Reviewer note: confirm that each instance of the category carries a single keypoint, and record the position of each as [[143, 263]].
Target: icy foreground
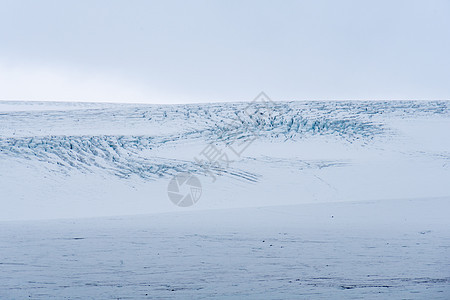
[[332, 199], [366, 250]]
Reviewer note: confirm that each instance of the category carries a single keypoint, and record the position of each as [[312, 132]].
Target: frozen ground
[[332, 200], [396, 249]]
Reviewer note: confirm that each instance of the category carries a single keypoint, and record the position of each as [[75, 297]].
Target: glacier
[[345, 199]]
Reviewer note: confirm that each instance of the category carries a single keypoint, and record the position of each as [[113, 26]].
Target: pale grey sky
[[208, 51]]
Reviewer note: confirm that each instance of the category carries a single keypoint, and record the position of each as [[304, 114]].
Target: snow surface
[[352, 196], [353, 250]]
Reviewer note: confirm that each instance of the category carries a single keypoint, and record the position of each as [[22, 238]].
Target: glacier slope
[[86, 159]]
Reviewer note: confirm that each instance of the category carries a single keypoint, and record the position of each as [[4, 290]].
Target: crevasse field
[[329, 200]]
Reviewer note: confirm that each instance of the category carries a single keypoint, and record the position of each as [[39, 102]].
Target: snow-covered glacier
[[345, 199], [58, 159]]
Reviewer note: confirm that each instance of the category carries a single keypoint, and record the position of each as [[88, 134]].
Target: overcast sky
[[209, 51]]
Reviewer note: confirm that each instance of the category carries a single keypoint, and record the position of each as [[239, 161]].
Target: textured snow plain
[[332, 200]]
